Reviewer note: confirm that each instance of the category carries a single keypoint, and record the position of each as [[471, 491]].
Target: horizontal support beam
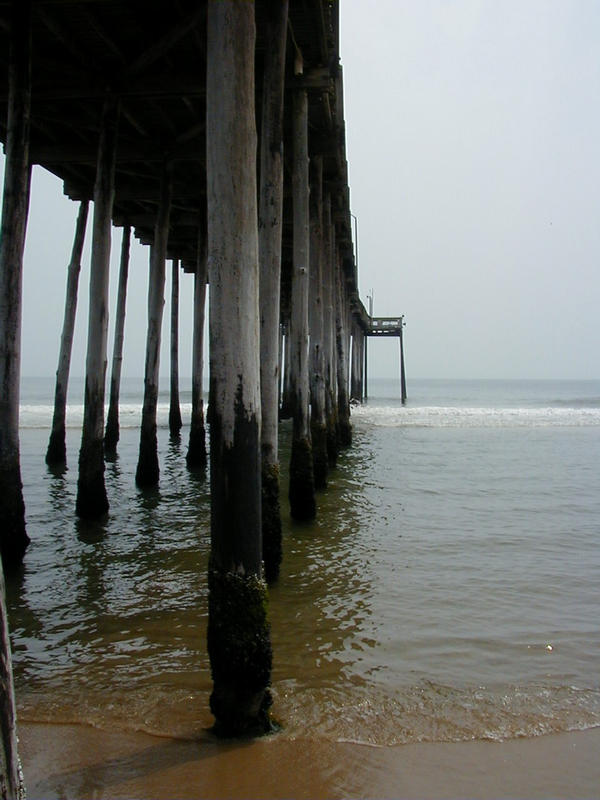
[[127, 152]]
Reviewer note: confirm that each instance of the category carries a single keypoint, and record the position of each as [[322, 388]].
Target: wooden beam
[[167, 42]]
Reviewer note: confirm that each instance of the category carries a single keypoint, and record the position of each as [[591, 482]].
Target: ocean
[[447, 591]]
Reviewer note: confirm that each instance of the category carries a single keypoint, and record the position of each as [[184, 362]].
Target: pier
[[214, 133]]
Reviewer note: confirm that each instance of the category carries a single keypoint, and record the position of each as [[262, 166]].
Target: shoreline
[[76, 761]]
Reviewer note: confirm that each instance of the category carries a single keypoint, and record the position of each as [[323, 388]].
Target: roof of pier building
[[152, 56]]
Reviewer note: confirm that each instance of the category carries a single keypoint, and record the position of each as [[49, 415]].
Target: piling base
[[111, 434], [175, 423], [332, 441], [147, 473], [345, 431], [271, 521], [196, 454], [240, 653], [302, 483], [92, 501], [320, 458], [13, 536], [57, 449]]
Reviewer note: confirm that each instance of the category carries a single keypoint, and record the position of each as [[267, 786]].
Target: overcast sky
[[472, 140], [473, 137]]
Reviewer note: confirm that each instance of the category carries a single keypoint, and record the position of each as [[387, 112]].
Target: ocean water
[[447, 591]]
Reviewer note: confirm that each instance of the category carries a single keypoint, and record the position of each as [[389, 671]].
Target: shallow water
[[447, 590]]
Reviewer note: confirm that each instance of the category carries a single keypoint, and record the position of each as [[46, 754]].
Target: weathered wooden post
[[147, 472], [238, 630], [196, 454], [366, 374], [318, 424], [111, 435], [270, 212], [355, 374], [57, 448], [92, 501], [17, 173], [361, 363], [402, 366], [343, 405], [302, 484], [285, 411], [175, 423], [329, 333], [11, 784]]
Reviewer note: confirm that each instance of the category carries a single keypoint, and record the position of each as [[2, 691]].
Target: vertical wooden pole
[[302, 485], [57, 450], [147, 472], [361, 358], [196, 454], [17, 174], [366, 367], [285, 411], [280, 362], [270, 212], [174, 409], [329, 333], [11, 785], [92, 501], [111, 435], [355, 380], [402, 368], [343, 405], [238, 631], [318, 425]]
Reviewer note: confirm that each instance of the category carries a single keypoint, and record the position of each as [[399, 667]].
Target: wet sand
[[81, 762]]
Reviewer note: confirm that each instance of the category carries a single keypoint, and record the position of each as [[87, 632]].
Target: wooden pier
[[149, 110]]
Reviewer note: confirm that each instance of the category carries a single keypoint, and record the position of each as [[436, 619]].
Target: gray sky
[[472, 140], [473, 131]]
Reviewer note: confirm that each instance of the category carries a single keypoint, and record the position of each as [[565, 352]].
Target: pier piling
[[175, 422], [17, 176], [270, 212], [111, 435], [92, 501], [57, 448], [318, 423], [147, 472], [238, 630], [196, 454], [302, 485]]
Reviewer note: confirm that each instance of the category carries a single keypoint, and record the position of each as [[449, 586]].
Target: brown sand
[[81, 762]]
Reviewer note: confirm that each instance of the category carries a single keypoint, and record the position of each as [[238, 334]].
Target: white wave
[[457, 417], [130, 415]]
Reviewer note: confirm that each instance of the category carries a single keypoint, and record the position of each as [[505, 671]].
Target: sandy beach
[[81, 762]]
